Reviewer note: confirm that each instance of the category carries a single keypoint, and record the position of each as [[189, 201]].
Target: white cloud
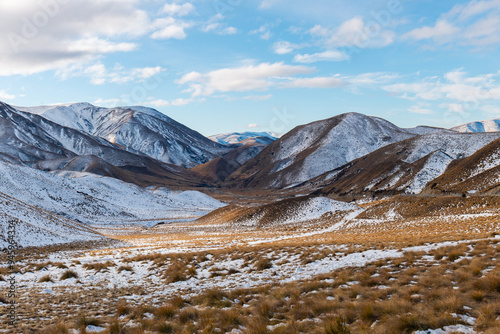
[[418, 109], [331, 55], [373, 78], [66, 34], [211, 27], [229, 31], [258, 97], [284, 47], [99, 74], [214, 24], [476, 23], [36, 38], [441, 32], [355, 33], [252, 125], [264, 32], [455, 108], [454, 86], [108, 103], [159, 103], [6, 96], [490, 109], [261, 77], [182, 102], [178, 10], [170, 28], [320, 82]]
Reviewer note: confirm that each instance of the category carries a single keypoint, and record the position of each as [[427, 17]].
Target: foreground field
[[392, 266]]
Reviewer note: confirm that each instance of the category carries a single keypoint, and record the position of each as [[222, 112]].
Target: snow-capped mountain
[[30, 139], [238, 137], [403, 167], [492, 125], [139, 130], [313, 149]]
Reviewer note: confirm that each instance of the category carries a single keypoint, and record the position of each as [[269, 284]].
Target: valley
[[129, 222]]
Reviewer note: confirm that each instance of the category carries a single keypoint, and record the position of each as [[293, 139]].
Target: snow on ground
[[290, 269], [315, 208], [98, 200], [303, 211], [33, 227]]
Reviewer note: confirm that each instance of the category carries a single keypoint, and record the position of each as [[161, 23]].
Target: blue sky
[[259, 65]]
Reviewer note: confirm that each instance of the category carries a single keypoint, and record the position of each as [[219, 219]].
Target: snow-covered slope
[[138, 130], [35, 227], [238, 137], [313, 149], [299, 210], [492, 125], [406, 166], [94, 199], [479, 173]]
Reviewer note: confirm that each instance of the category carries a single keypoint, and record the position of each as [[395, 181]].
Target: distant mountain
[[403, 167], [238, 137], [313, 149], [492, 125], [427, 130], [138, 130], [219, 169]]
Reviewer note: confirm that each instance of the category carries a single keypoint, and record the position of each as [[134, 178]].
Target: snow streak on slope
[[94, 200], [292, 211], [139, 130], [492, 125], [35, 227]]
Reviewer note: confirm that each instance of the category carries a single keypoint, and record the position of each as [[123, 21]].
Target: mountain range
[[90, 165]]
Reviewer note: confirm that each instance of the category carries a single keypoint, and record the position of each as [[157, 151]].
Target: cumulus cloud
[[476, 23], [37, 36], [254, 77]]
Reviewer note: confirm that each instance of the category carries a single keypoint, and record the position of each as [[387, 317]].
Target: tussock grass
[[68, 274]]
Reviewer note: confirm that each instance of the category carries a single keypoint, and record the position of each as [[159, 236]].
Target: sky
[[221, 66]]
